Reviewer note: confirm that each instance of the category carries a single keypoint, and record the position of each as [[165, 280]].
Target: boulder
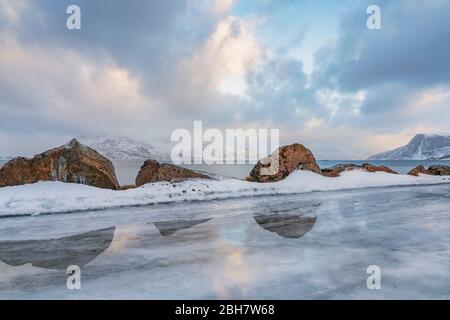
[[436, 170], [152, 171], [290, 158], [336, 170], [418, 170], [74, 163], [127, 187], [439, 170], [372, 168]]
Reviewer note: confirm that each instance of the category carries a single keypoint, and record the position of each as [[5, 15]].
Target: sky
[[311, 69]]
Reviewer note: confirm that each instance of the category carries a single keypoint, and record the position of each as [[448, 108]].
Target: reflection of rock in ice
[[286, 225], [60, 253], [167, 228]]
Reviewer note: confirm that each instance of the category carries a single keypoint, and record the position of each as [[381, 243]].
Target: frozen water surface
[[311, 246]]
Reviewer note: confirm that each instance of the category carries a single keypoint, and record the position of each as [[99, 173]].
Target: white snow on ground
[[58, 197]]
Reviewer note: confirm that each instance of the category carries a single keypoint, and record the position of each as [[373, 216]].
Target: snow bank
[[57, 197]]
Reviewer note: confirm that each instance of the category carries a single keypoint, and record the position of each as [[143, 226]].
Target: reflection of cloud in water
[[234, 267], [60, 253], [167, 228], [286, 225], [233, 271], [124, 236]]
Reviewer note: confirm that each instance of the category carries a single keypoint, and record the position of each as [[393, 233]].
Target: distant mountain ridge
[[421, 147], [126, 149]]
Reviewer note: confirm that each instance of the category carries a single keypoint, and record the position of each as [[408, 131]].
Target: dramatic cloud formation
[[144, 68], [395, 67]]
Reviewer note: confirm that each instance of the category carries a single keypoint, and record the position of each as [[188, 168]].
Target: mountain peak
[[73, 143], [421, 147], [124, 148]]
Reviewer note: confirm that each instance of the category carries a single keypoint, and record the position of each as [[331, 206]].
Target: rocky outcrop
[[418, 170], [73, 163], [439, 170], [436, 170], [152, 171], [127, 187], [338, 169], [290, 158], [372, 168]]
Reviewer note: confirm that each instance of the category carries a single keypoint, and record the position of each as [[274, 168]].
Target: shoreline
[[60, 198]]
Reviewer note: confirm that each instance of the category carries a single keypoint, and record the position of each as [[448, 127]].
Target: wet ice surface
[[314, 246]]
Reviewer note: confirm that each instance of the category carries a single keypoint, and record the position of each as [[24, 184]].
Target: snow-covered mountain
[[421, 147], [125, 149]]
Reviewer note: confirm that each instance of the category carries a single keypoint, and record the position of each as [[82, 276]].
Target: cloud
[[224, 58], [129, 68], [63, 91], [278, 90], [223, 6], [393, 66], [144, 36], [144, 68]]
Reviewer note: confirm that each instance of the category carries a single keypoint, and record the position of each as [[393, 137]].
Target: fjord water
[[127, 170], [314, 246]]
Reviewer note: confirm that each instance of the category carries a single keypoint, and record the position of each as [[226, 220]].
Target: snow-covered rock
[[290, 158], [72, 163], [124, 148], [421, 147]]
